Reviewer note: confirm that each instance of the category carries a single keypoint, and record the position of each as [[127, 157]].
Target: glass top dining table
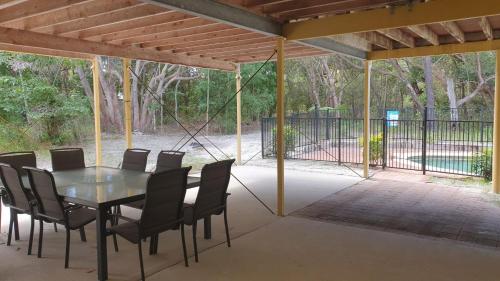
[[101, 188], [94, 186]]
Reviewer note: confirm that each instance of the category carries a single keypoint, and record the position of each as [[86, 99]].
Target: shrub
[[376, 147], [482, 162]]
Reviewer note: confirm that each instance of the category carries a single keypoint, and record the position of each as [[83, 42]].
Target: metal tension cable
[[192, 136]]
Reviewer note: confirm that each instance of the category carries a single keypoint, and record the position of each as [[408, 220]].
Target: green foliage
[[376, 146], [290, 135], [482, 164]]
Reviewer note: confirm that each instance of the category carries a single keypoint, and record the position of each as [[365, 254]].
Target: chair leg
[[83, 237], [152, 245], [11, 225], [55, 227], [194, 242], [40, 239], [32, 226], [16, 226], [115, 242], [66, 257], [228, 239], [140, 260], [184, 246]]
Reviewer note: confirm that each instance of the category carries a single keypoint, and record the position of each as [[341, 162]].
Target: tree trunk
[[431, 115], [452, 98]]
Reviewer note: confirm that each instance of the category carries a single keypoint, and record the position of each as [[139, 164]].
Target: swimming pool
[[441, 163]]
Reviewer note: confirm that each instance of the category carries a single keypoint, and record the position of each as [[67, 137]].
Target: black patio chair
[[21, 201], [167, 160], [163, 210], [135, 159], [51, 208], [211, 198], [18, 160], [64, 159]]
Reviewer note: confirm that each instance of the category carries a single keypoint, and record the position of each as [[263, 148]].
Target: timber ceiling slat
[[153, 33], [233, 35], [67, 14], [109, 32], [217, 45], [35, 7], [73, 28], [184, 38]]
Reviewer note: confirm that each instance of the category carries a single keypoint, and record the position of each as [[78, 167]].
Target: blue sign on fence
[[392, 118]]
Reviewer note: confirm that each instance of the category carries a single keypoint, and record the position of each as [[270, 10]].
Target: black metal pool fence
[[423, 144]]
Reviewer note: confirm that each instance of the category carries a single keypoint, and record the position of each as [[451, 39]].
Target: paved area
[[457, 213]]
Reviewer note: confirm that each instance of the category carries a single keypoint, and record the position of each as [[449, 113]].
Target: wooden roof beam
[[454, 30], [353, 41], [219, 12], [399, 36], [426, 33], [390, 18], [68, 14], [32, 39], [34, 8], [7, 3], [377, 39], [487, 29]]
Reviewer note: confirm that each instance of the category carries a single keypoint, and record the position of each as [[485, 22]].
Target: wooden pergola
[[226, 33]]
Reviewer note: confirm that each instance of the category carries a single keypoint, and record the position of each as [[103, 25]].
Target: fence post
[[424, 142], [384, 142], [327, 125], [316, 125], [339, 132], [262, 129]]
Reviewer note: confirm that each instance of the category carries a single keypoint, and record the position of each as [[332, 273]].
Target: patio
[[266, 247]]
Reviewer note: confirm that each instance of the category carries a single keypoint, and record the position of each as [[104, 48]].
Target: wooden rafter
[[7, 3], [31, 39], [218, 45], [487, 29], [377, 39], [35, 7], [68, 14], [426, 33], [108, 32], [73, 28], [454, 30], [200, 39], [353, 41], [44, 52], [399, 36]]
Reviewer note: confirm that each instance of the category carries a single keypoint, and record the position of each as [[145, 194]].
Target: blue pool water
[[445, 163]]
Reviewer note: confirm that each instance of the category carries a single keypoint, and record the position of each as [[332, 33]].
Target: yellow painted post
[[238, 115], [280, 123], [127, 103], [97, 112], [366, 121], [496, 129]]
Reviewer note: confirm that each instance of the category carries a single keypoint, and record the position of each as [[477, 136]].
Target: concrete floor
[[246, 215], [265, 247]]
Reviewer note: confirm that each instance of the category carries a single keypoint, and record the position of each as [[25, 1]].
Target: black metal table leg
[[207, 226], [102, 257]]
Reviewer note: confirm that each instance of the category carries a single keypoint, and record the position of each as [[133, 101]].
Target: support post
[[280, 123], [424, 141], [127, 103], [97, 111], [496, 129], [238, 115], [366, 121]]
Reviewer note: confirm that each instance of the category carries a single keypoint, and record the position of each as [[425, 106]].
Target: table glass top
[[96, 185]]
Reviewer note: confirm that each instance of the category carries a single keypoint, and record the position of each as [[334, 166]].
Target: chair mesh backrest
[[44, 189], [135, 159], [169, 159], [164, 200], [19, 160], [11, 180], [67, 159], [213, 187]]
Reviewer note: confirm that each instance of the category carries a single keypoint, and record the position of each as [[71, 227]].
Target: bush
[[482, 162], [290, 135], [376, 147]]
